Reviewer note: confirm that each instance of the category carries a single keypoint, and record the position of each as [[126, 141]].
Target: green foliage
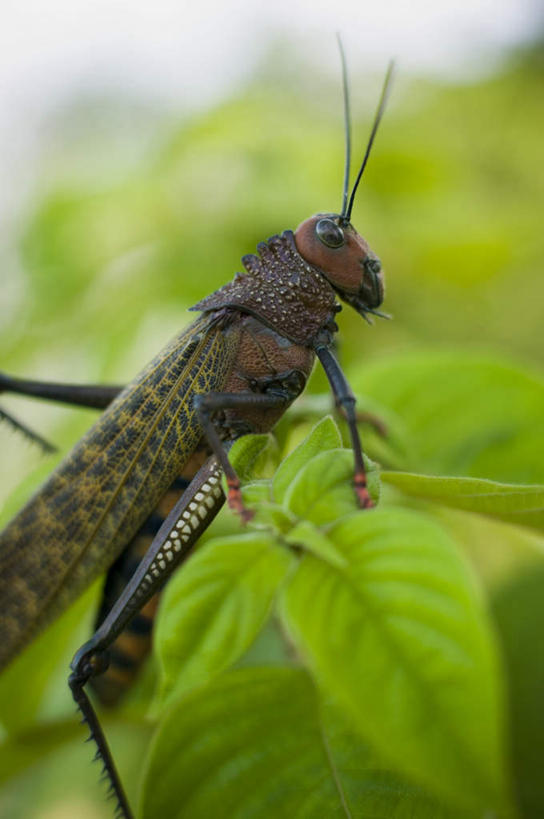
[[519, 611], [304, 768], [215, 609], [461, 413], [385, 616], [509, 502], [416, 668]]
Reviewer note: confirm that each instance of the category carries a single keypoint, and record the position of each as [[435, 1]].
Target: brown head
[[330, 243], [335, 248]]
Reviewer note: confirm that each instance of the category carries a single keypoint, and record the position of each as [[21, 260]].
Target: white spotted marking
[[194, 521]]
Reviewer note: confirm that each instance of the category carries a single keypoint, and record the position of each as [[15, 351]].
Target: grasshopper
[[134, 495]]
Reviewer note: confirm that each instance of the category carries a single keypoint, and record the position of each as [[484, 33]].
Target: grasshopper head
[[333, 245], [329, 242]]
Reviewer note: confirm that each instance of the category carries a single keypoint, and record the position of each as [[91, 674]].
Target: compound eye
[[329, 233]]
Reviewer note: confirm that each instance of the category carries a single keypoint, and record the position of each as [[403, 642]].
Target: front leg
[[346, 400], [210, 403]]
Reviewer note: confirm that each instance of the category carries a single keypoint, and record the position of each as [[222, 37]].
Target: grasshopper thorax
[[335, 248]]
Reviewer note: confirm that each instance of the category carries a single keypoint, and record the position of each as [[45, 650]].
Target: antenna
[[347, 124], [346, 214]]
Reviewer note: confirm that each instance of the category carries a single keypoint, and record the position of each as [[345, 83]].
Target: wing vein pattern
[[94, 502]]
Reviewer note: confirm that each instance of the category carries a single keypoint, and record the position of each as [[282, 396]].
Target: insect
[[134, 495]]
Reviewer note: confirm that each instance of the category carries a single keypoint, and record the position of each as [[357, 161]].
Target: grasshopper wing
[[97, 498]]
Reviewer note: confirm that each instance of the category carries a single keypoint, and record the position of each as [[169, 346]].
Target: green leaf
[[20, 752], [466, 413], [495, 550], [247, 452], [322, 490], [215, 608], [519, 612], [254, 493], [325, 435], [512, 503], [257, 744], [309, 537], [400, 639]]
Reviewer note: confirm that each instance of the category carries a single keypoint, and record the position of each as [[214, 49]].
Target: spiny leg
[[77, 681], [28, 433], [190, 516], [94, 396], [345, 399]]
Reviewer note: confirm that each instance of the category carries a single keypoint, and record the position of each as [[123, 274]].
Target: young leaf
[[257, 744], [322, 490], [246, 452], [325, 435], [512, 503], [215, 607], [401, 641], [304, 534]]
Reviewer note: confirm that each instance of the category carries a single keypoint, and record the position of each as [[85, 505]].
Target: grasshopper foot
[[361, 490], [235, 502]]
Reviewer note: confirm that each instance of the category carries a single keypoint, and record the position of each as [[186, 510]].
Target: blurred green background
[[117, 244]]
